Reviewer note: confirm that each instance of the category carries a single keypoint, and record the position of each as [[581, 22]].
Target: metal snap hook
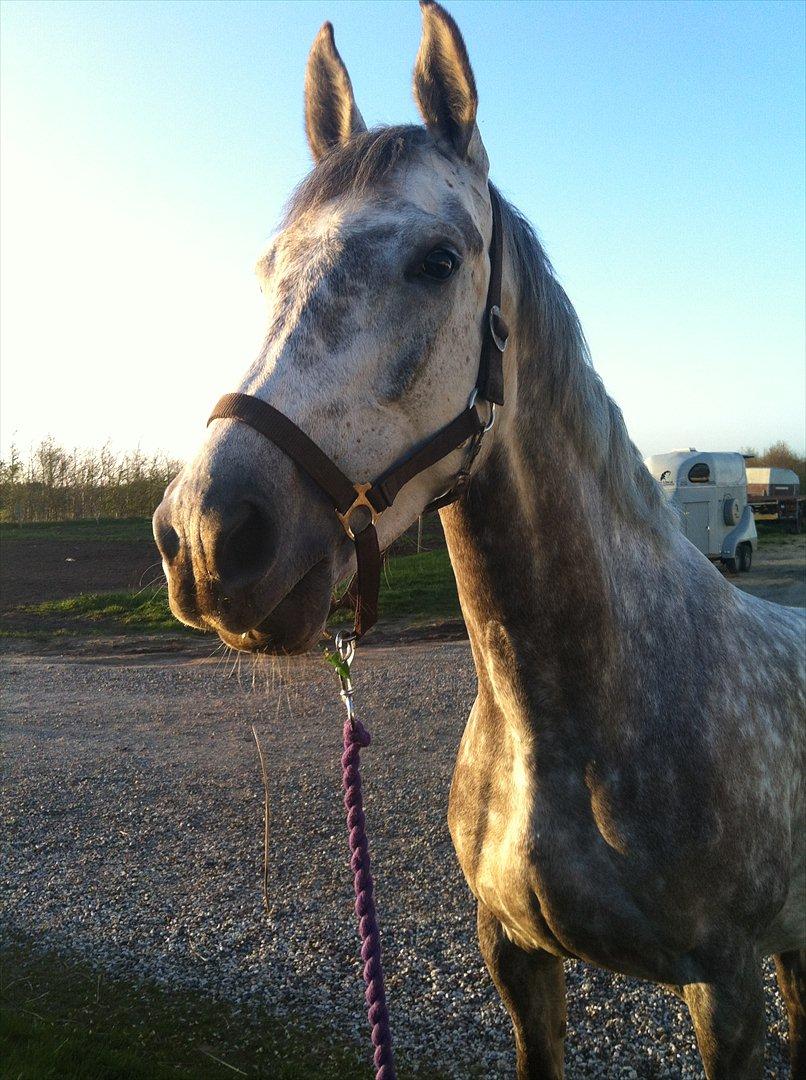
[[345, 641], [345, 644]]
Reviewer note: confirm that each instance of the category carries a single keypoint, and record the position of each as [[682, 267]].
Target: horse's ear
[[331, 114], [444, 86]]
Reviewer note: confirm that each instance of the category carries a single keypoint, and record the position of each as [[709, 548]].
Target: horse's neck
[[546, 562]]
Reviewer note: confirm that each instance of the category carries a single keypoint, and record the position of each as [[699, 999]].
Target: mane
[[546, 319], [570, 385]]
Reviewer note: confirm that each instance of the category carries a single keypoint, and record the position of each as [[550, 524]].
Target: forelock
[[366, 162]]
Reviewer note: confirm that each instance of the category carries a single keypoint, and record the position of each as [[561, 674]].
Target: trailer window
[[699, 473]]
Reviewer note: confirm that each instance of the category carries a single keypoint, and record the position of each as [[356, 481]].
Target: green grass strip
[[125, 610], [100, 529], [417, 588]]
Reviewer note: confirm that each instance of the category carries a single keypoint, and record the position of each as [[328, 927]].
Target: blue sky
[[148, 148]]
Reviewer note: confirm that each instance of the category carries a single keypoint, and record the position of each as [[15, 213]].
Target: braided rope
[[356, 736]]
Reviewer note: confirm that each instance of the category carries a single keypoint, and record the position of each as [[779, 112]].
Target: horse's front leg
[[532, 986], [728, 1016]]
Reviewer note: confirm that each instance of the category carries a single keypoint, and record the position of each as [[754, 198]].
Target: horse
[[627, 790]]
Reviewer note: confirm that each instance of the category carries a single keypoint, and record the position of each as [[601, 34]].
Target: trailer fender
[[744, 533]]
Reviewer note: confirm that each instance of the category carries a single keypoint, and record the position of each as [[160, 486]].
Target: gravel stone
[[132, 807]]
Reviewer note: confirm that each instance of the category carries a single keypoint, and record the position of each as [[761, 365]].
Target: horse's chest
[[502, 873], [529, 855], [492, 821]]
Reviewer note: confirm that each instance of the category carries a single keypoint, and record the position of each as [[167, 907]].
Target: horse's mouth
[[296, 622]]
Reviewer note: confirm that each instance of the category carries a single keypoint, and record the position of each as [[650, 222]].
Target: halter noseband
[[379, 494]]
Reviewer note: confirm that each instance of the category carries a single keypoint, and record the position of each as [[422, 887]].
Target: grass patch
[[62, 1020], [95, 529], [103, 611], [418, 588], [776, 535]]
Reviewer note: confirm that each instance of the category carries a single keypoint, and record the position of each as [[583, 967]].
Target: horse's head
[[375, 288]]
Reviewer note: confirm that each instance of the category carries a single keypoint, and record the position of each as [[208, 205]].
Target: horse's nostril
[[167, 541], [245, 548]]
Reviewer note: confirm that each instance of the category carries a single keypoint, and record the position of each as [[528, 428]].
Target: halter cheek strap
[[371, 499]]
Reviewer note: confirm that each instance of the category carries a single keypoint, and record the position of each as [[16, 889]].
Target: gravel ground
[[133, 821]]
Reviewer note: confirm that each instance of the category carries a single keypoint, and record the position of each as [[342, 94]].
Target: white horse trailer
[[709, 492]]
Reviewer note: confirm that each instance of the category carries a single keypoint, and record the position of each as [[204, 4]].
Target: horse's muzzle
[[229, 570]]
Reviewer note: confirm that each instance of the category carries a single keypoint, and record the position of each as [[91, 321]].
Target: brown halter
[[377, 496]]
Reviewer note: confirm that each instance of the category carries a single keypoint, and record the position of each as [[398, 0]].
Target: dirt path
[[778, 573], [36, 570]]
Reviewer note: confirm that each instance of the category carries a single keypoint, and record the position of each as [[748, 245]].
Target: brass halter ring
[[359, 500]]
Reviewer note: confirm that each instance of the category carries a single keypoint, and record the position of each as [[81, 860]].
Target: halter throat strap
[[371, 499]]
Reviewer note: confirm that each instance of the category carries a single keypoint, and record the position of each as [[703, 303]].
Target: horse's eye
[[439, 264]]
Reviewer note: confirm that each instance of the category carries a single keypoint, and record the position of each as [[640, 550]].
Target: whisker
[[157, 586], [151, 567], [235, 662], [266, 822]]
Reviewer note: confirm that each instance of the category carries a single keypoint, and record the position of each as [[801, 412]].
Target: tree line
[[54, 484]]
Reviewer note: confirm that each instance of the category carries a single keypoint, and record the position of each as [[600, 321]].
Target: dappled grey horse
[[628, 789]]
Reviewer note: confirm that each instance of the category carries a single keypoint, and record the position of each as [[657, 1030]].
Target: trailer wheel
[[744, 557]]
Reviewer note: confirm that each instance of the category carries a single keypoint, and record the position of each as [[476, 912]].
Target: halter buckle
[[359, 500]]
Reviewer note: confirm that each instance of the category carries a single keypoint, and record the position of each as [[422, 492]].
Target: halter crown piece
[[371, 499]]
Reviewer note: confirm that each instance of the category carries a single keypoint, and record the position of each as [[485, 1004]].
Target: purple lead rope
[[356, 736]]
